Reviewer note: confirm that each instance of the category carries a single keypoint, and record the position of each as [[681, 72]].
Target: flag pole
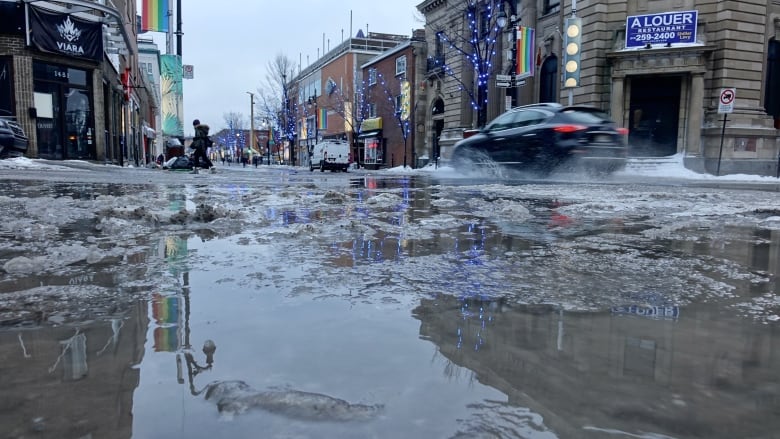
[[169, 33]]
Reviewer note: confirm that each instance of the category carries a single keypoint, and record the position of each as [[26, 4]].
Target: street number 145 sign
[[663, 28]]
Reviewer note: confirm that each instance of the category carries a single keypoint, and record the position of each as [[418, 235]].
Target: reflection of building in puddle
[[66, 382], [691, 377]]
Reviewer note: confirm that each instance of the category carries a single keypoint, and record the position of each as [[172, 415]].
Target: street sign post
[[725, 106], [508, 81]]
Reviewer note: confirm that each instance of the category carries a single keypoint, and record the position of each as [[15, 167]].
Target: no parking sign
[[726, 100]]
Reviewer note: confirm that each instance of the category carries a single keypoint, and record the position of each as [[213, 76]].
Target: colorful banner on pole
[[172, 95], [406, 100], [525, 51], [323, 120], [155, 15]]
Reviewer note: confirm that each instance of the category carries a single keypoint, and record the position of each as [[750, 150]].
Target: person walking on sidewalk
[[200, 143]]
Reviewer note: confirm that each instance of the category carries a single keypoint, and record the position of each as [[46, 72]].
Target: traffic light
[[572, 50]]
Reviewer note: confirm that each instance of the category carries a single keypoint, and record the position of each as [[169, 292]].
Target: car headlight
[[3, 124]]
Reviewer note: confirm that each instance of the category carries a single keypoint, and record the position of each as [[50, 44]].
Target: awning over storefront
[[371, 124]]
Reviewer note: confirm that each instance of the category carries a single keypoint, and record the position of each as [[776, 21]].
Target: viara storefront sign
[[664, 28]]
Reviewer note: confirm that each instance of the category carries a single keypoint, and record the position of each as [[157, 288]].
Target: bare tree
[[475, 40], [273, 98], [351, 105], [389, 101], [235, 120]]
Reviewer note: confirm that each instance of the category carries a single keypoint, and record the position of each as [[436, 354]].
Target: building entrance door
[[654, 116], [64, 120]]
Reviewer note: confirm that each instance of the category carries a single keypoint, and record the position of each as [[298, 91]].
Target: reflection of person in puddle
[[236, 397]]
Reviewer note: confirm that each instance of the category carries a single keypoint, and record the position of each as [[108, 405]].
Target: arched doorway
[[548, 80], [437, 118]]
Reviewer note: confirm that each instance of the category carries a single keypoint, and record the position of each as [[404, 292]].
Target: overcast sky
[[230, 43]]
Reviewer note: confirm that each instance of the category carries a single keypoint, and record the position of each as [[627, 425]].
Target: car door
[[524, 141], [496, 135]]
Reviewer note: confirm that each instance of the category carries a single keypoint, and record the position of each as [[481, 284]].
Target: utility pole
[[251, 121]]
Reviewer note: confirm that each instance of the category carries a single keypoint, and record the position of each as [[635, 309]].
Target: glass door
[[65, 117], [78, 113]]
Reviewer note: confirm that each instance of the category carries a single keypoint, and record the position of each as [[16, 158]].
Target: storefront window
[[6, 87], [373, 151]]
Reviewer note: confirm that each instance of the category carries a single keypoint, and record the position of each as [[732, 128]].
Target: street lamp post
[[313, 101], [503, 21], [251, 120]]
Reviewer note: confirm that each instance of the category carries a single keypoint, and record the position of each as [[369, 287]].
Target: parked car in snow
[[13, 140], [544, 137]]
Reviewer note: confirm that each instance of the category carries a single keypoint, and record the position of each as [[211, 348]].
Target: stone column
[[692, 143], [616, 106]]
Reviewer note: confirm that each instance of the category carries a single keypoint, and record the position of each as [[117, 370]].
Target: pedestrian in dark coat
[[200, 142]]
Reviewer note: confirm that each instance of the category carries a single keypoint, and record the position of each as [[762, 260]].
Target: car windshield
[[586, 116]]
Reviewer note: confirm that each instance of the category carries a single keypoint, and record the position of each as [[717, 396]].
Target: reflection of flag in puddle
[[165, 311]]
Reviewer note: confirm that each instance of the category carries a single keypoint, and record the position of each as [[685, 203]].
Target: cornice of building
[[430, 5]]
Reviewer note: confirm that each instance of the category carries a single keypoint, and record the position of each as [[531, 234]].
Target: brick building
[[326, 98], [393, 81]]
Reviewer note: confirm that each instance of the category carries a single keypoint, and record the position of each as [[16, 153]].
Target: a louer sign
[[663, 28]]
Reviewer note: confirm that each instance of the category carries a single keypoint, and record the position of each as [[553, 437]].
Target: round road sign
[[727, 96]]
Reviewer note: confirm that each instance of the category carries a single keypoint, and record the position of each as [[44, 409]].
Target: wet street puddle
[[388, 311]]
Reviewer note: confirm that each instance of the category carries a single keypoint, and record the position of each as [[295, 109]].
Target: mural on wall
[[172, 96]]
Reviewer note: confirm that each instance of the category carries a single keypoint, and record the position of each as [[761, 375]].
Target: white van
[[330, 154]]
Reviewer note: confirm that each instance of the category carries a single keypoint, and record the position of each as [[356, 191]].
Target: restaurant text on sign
[[663, 28]]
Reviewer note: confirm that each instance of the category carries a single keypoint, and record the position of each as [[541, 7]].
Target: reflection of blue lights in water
[[477, 310], [236, 191], [373, 251]]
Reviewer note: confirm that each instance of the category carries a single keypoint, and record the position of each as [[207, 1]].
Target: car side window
[[529, 117], [502, 122]]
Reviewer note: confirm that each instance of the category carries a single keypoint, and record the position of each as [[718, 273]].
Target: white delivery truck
[[330, 154]]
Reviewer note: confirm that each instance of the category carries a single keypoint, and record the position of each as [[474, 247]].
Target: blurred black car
[[546, 137], [13, 140]]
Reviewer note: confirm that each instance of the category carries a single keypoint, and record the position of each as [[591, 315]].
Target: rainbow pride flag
[[165, 309], [166, 339], [322, 123], [155, 15], [525, 51]]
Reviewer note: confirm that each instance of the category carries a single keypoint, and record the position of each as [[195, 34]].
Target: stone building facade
[[667, 95]]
